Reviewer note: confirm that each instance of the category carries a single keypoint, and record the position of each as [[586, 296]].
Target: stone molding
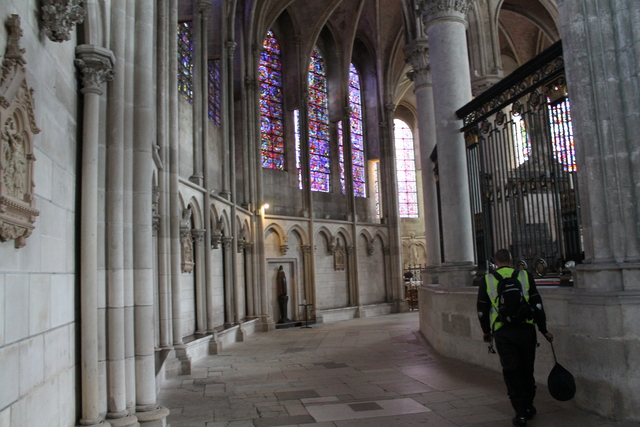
[[59, 17], [96, 67], [432, 11], [17, 132]]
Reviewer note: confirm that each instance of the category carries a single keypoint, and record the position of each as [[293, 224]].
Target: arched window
[[214, 91], [406, 170], [271, 121], [357, 135], [520, 139], [562, 134], [357, 138], [318, 124], [185, 60]]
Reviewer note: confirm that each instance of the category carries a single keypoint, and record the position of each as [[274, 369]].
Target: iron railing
[[522, 170]]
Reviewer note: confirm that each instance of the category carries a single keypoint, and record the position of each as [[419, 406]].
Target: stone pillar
[[114, 230], [149, 413], [418, 56], [228, 281], [307, 272], [391, 214], [96, 67], [175, 208], [352, 266], [601, 48], [252, 294], [445, 24]]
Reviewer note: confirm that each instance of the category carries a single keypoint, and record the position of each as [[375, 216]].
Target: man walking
[[515, 336]]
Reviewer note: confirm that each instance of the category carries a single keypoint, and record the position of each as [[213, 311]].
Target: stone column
[[114, 230], [445, 24], [252, 294], [391, 214], [352, 266], [601, 48], [228, 281], [175, 208], [96, 67], [307, 272], [418, 56], [149, 413]]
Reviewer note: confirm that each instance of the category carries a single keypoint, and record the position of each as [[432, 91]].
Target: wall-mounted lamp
[[264, 207]]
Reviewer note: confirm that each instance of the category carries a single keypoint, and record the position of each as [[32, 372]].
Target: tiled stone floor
[[366, 372]]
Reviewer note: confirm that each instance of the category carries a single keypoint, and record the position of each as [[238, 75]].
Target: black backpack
[[513, 308]]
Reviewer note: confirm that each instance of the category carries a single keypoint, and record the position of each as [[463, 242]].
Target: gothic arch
[[278, 230], [296, 228]]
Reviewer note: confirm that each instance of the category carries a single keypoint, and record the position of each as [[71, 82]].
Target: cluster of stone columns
[[128, 356], [439, 58]]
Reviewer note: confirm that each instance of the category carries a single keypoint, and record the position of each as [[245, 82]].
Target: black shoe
[[531, 412], [519, 421]]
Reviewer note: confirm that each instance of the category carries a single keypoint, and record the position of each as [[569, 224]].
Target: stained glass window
[[521, 142], [376, 187], [357, 139], [185, 60], [214, 91], [406, 170], [562, 135], [343, 182], [318, 124], [271, 117], [296, 131]]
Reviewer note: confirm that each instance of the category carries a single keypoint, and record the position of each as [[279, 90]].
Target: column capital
[[417, 54], [306, 249], [433, 11], [96, 67], [59, 17], [198, 235], [204, 6]]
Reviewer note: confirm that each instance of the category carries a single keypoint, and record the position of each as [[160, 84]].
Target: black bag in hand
[[560, 382]]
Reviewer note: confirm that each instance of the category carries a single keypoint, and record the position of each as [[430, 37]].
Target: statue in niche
[[414, 256], [283, 298]]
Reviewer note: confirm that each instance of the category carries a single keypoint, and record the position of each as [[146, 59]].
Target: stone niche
[[17, 131]]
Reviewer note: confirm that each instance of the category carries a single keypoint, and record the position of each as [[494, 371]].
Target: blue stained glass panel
[[271, 110], [215, 90], [562, 135], [318, 124], [356, 133]]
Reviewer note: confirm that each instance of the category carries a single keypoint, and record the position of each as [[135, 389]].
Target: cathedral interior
[[177, 175]]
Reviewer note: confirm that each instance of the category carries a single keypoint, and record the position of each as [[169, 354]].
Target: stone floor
[[359, 373]]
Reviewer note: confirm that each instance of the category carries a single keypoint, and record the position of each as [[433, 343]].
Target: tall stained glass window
[[562, 135], [185, 60], [214, 91], [357, 137], [296, 132], [343, 182], [271, 117], [318, 124], [406, 170], [376, 186]]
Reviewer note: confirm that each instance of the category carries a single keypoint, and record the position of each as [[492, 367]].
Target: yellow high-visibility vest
[[492, 291]]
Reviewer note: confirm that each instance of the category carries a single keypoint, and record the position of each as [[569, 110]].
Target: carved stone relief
[[339, 258], [186, 242], [59, 17], [17, 133]]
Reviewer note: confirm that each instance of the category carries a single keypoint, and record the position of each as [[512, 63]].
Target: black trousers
[[516, 346]]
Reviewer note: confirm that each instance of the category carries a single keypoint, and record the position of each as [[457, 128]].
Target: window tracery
[[214, 90]]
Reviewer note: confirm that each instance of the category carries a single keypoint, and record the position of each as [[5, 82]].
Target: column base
[[128, 421], [154, 418], [185, 360], [85, 423], [452, 275]]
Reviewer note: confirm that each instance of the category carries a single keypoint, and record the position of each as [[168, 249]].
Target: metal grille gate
[[522, 170]]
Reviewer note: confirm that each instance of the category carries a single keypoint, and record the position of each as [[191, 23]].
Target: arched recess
[[371, 270], [332, 275], [216, 291]]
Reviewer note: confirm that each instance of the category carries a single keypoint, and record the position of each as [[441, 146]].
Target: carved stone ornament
[[59, 17], [96, 67], [216, 233], [186, 242], [17, 132], [434, 10], [339, 258]]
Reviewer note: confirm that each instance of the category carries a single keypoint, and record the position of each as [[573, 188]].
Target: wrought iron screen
[[522, 170]]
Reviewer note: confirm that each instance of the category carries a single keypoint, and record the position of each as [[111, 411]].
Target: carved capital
[[389, 107], [96, 67], [197, 234], [305, 249], [59, 17], [204, 6], [250, 83], [417, 54], [371, 248], [437, 10], [231, 48], [284, 249], [226, 242]]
